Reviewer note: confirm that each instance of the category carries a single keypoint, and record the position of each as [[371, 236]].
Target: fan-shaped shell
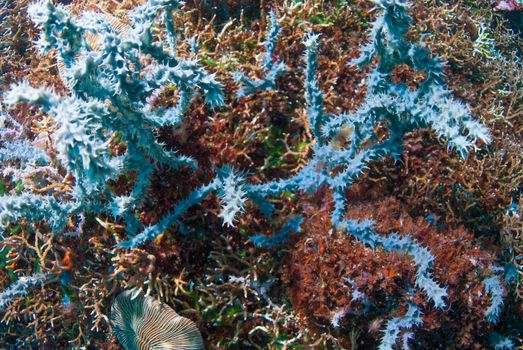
[[142, 323]]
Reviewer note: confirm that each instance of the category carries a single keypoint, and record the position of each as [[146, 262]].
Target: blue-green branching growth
[[19, 288], [230, 188], [338, 163], [392, 331], [113, 71], [495, 290], [394, 104], [271, 68]]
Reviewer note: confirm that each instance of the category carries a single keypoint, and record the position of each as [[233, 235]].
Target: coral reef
[[333, 273], [282, 174]]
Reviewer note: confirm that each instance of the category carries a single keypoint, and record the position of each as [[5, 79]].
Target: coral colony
[[123, 197]]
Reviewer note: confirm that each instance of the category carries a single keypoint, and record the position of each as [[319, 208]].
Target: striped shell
[[142, 323]]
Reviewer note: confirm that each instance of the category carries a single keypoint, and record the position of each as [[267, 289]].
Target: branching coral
[[392, 330], [391, 104], [282, 236], [271, 68], [237, 300], [229, 186], [328, 274], [19, 289], [112, 160], [111, 89], [512, 236], [423, 259], [494, 288], [15, 146]]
